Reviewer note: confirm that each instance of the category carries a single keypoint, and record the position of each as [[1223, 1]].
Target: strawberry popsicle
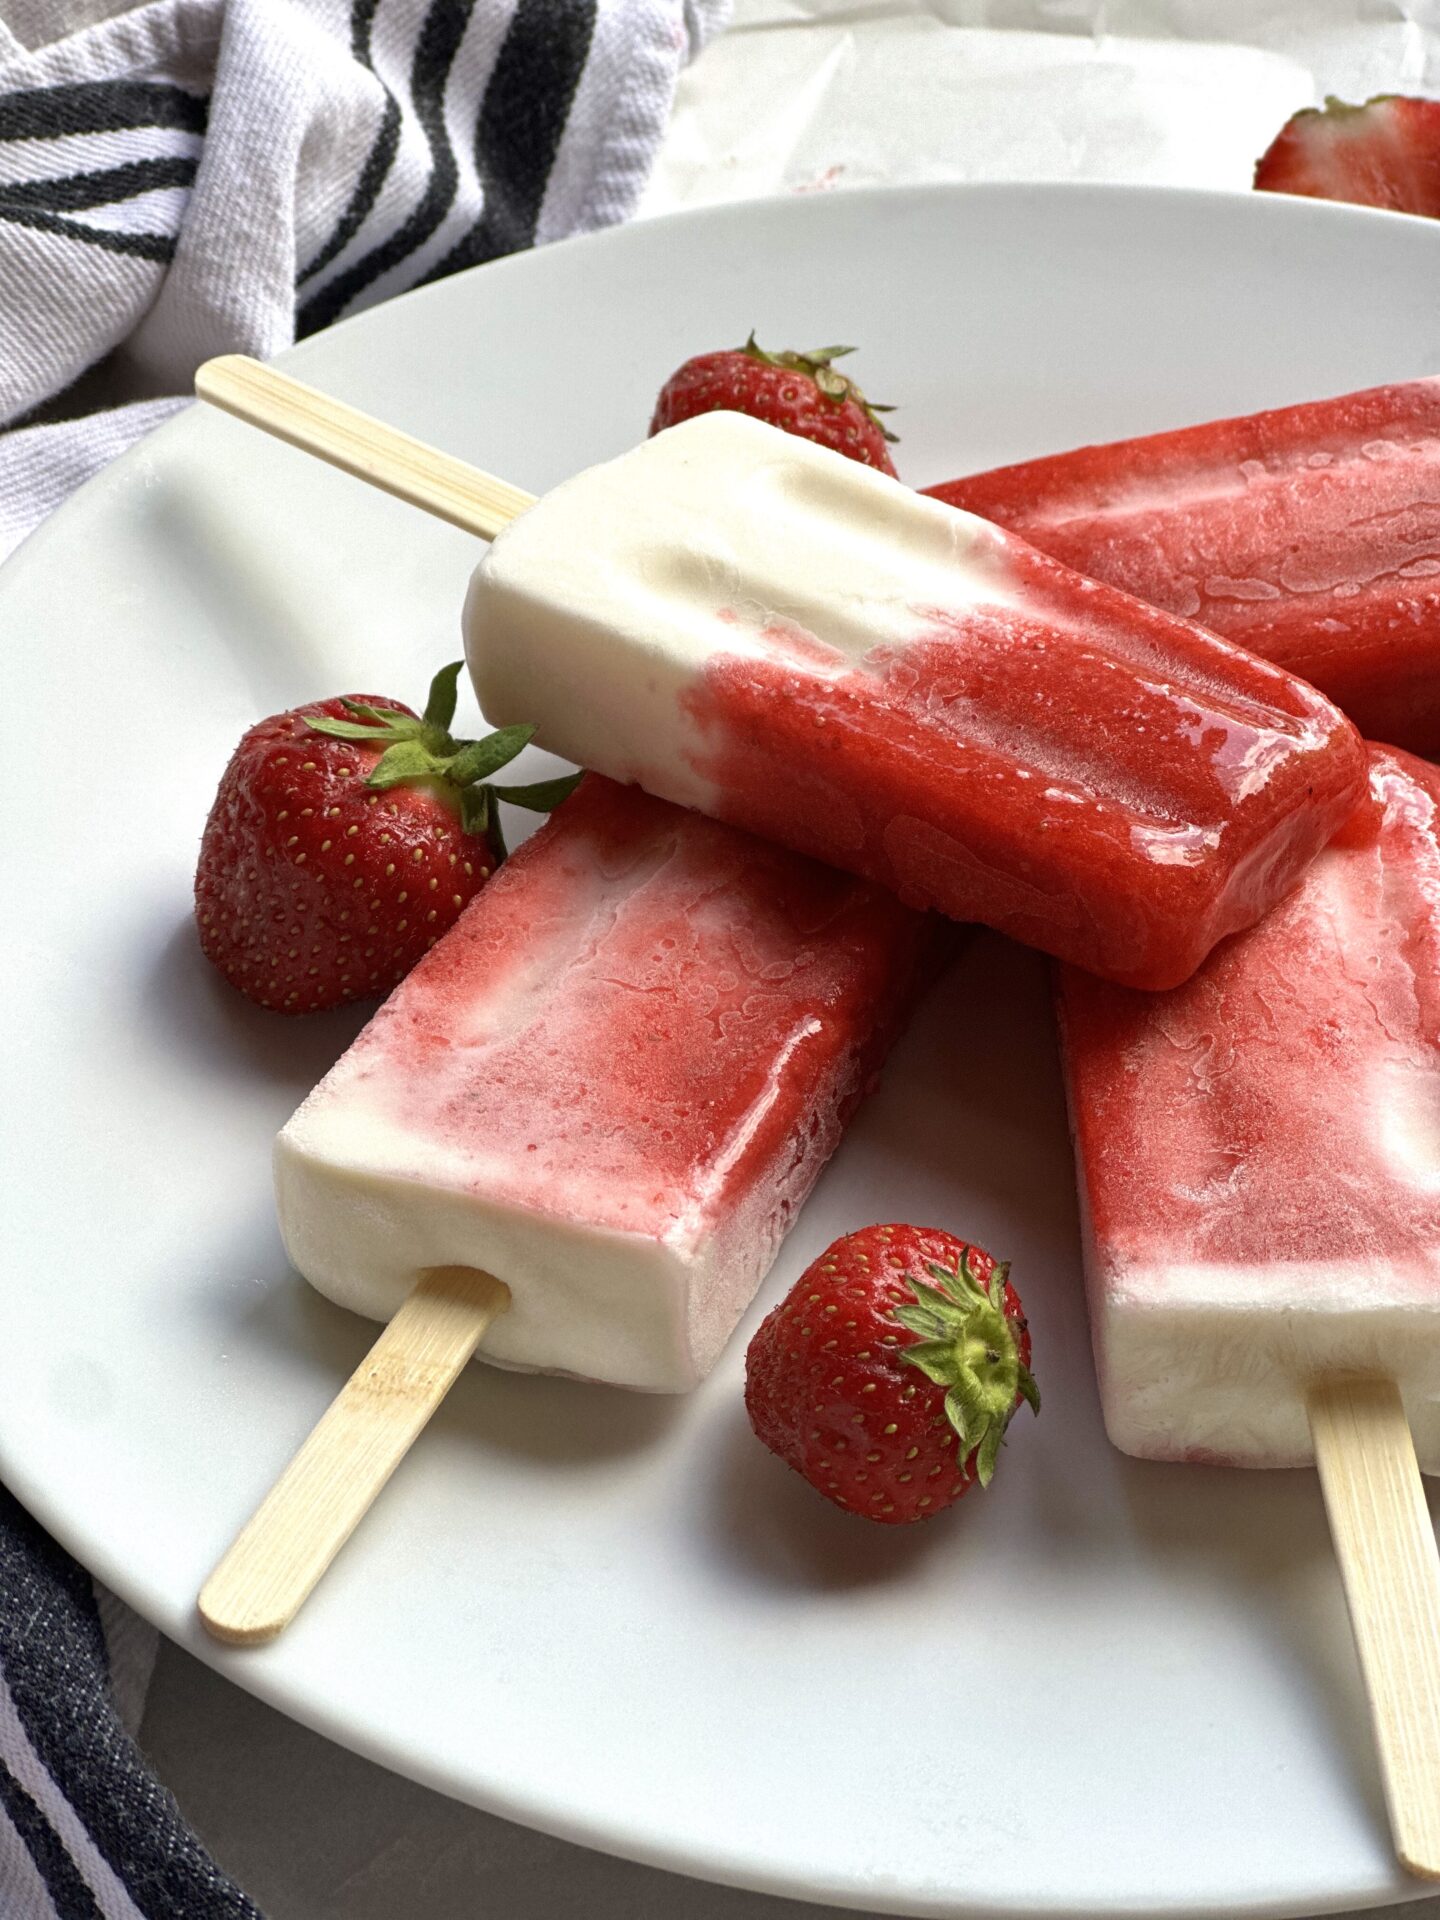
[[611, 1085], [754, 626], [1259, 1156], [1310, 535]]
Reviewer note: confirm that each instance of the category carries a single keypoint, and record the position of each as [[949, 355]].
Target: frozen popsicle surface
[[1309, 534], [611, 1085], [1259, 1156], [747, 624]]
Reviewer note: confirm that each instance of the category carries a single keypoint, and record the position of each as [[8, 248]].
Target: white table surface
[[1179, 94]]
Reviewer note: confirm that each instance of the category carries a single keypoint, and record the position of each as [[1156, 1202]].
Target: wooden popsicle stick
[[1385, 1544], [367, 448], [328, 1487]]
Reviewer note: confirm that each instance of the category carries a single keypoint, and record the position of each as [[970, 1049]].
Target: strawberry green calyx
[[967, 1344], [818, 365], [459, 770], [1334, 108]]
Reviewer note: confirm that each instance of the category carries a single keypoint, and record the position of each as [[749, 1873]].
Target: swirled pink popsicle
[[611, 1086], [1259, 1160], [1259, 1156], [1309, 534], [756, 627]]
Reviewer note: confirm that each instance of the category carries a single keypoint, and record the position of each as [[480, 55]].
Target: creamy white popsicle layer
[[745, 623], [611, 1085], [1259, 1156]]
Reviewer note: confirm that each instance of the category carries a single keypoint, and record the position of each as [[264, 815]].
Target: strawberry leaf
[[987, 1454], [406, 760], [964, 1412], [935, 1359], [393, 722], [475, 810], [440, 706], [346, 729], [967, 1274], [927, 1321], [541, 796], [479, 758], [968, 1346], [942, 1300], [425, 750]]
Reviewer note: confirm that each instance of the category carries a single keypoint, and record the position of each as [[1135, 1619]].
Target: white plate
[[1103, 1687]]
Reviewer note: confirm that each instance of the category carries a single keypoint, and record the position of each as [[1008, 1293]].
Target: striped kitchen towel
[[193, 177], [211, 176], [86, 1831]]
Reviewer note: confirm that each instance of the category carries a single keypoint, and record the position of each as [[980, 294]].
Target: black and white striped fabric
[[205, 176], [86, 1831], [208, 176]]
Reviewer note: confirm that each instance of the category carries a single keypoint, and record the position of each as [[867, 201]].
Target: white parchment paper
[[816, 95]]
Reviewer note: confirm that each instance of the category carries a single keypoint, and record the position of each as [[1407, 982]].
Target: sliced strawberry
[[1383, 154]]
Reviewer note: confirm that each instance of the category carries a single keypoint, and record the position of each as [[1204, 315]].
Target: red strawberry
[[1384, 154], [889, 1373], [345, 838], [800, 392]]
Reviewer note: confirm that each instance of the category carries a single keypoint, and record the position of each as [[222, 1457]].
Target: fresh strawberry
[[889, 1373], [345, 838], [1384, 154], [801, 392]]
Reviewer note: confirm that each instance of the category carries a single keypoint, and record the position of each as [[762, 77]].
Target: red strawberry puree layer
[[1310, 535], [646, 1022], [1094, 777]]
